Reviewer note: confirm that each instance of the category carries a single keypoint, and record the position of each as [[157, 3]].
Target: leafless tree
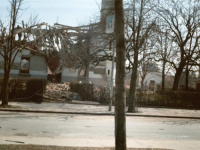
[[140, 21], [12, 41], [182, 20], [163, 51]]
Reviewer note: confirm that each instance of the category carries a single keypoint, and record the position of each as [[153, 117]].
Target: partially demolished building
[[27, 64], [29, 61], [81, 53], [92, 63]]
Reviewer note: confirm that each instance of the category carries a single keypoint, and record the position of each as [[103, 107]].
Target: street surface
[[88, 130]]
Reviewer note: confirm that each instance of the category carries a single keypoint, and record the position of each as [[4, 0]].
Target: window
[[108, 72], [81, 72], [152, 85], [152, 81], [25, 65]]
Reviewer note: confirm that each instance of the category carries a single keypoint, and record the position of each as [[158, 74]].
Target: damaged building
[[27, 64], [81, 53], [95, 61], [29, 61]]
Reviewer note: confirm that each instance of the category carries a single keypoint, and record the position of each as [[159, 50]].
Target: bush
[[35, 88], [104, 95], [17, 87], [21, 89], [169, 99], [85, 90], [180, 98]]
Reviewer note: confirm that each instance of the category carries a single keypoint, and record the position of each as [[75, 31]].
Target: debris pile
[[60, 92], [57, 92]]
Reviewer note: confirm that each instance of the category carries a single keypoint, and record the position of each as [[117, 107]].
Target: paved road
[[87, 130]]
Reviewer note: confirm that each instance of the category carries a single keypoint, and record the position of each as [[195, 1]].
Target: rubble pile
[[57, 92], [60, 92]]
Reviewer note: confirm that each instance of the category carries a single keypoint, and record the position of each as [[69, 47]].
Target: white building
[[151, 79]]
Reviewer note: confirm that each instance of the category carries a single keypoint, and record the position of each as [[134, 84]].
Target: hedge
[[181, 99], [25, 89], [85, 90]]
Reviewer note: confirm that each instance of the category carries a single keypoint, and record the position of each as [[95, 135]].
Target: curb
[[58, 112], [98, 114]]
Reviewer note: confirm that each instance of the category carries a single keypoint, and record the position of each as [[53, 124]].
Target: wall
[[97, 76], [69, 75]]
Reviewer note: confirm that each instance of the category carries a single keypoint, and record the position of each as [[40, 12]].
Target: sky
[[67, 12]]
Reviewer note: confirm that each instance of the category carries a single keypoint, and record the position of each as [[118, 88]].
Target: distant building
[[151, 77]]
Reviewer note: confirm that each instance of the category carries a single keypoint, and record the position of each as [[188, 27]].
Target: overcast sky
[[67, 12]]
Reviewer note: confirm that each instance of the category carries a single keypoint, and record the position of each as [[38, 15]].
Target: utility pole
[[110, 28]]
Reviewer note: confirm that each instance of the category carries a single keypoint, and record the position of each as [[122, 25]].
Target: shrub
[[35, 88], [104, 95], [85, 90], [18, 88], [21, 89], [180, 98], [169, 99]]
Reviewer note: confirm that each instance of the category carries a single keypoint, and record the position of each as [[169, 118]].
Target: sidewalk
[[93, 108]]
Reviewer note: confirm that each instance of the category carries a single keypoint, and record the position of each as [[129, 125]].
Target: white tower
[[107, 8]]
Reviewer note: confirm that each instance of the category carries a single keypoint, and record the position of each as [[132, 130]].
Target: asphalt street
[[88, 130]]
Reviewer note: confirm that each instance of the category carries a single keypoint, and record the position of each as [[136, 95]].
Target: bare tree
[[14, 40], [182, 20], [120, 94], [9, 48], [163, 50], [139, 24]]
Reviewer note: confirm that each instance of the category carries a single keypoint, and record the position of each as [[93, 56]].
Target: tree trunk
[[120, 94], [131, 106], [142, 83], [176, 78], [87, 72], [163, 76], [186, 78], [5, 90]]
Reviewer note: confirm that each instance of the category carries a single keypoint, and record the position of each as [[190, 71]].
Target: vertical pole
[[111, 80]]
